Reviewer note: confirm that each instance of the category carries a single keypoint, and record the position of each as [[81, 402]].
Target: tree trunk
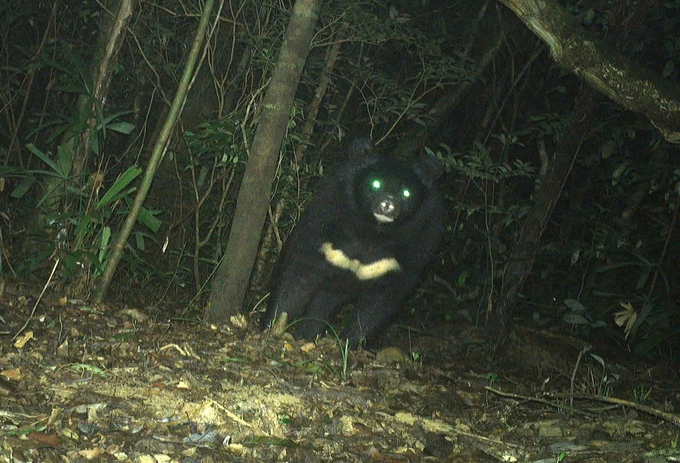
[[305, 137], [624, 81], [546, 195], [232, 276]]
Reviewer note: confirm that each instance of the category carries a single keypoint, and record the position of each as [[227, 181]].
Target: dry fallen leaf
[[21, 342], [42, 438]]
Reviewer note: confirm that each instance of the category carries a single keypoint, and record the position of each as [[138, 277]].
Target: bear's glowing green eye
[[376, 184], [406, 193]]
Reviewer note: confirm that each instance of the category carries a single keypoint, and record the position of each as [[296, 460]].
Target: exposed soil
[[109, 383]]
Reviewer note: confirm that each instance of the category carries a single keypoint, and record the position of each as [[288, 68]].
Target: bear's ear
[[359, 149], [428, 168]]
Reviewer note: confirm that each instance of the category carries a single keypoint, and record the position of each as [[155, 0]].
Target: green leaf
[[123, 181], [139, 239], [574, 305], [599, 360], [111, 117], [71, 89], [23, 187], [62, 128], [49, 194], [121, 127], [607, 148], [644, 276], [43, 157], [149, 219], [83, 70], [462, 276], [65, 160], [94, 142], [620, 169], [59, 67], [83, 225]]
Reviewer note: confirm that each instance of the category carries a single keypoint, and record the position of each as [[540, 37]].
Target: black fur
[[346, 250]]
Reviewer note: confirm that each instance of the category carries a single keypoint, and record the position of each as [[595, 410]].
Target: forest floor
[[80, 383]]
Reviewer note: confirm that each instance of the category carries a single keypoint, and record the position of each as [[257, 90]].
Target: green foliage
[[599, 383], [82, 231], [479, 168], [343, 346], [641, 394], [71, 219], [219, 142], [408, 65], [477, 164], [78, 81]]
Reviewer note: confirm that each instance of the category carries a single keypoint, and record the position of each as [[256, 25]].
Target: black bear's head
[[390, 191]]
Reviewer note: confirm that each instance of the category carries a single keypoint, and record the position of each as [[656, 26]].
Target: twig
[[37, 301], [531, 399], [238, 418], [573, 374], [675, 419]]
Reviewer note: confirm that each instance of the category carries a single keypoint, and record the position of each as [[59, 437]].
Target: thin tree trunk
[[77, 144], [546, 195], [305, 137], [105, 60], [313, 110], [231, 278], [157, 155]]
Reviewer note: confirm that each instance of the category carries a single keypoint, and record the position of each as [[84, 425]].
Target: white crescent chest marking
[[362, 271]]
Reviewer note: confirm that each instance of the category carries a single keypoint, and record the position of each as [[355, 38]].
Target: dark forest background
[[467, 81]]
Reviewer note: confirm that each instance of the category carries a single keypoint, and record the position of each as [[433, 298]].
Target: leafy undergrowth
[[110, 384]]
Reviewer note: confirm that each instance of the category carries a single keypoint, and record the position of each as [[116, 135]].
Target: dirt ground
[[83, 383]]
